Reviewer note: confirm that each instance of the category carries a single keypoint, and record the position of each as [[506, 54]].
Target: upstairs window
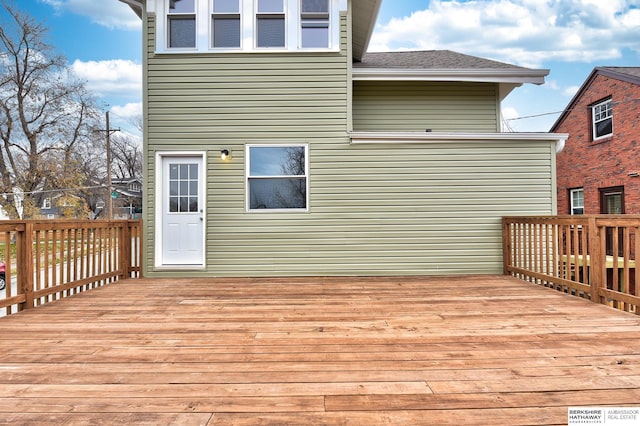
[[270, 23], [602, 114], [181, 24], [314, 24], [225, 24], [577, 201], [242, 26]]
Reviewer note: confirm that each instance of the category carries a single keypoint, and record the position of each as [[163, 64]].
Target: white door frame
[[159, 212]]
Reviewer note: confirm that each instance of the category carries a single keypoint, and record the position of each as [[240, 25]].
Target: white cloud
[[115, 77], [525, 32], [127, 119], [130, 110], [569, 92], [108, 13]]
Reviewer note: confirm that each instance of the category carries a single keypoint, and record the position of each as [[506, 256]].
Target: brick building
[[598, 171]]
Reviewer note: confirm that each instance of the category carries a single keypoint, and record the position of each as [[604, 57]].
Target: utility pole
[[109, 200], [110, 194]]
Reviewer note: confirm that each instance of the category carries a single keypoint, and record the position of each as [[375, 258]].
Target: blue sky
[[102, 42]]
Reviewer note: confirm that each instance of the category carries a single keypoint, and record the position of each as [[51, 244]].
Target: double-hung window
[[270, 23], [314, 23], [277, 177], [225, 24], [577, 201], [602, 114], [181, 24]]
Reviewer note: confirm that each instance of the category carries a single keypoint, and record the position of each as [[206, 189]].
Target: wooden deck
[[473, 350]]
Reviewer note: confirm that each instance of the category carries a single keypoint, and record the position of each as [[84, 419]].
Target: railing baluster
[[57, 259], [569, 253]]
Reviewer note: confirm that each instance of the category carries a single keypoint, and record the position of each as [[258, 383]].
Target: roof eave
[[472, 75], [575, 98], [362, 29], [135, 5]]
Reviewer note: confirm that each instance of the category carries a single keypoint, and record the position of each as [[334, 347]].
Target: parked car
[[3, 283]]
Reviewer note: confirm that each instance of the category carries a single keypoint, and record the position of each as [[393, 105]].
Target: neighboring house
[[598, 171], [275, 146], [127, 201], [62, 205]]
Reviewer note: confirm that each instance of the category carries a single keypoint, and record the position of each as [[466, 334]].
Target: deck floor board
[[471, 350]]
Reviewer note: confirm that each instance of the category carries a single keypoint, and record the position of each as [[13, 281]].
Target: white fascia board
[[135, 3], [392, 138], [485, 75], [152, 7]]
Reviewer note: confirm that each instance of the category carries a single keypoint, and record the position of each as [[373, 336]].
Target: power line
[[565, 110], [45, 191]]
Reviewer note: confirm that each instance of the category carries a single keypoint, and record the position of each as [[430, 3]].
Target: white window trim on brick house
[[601, 112], [574, 197]]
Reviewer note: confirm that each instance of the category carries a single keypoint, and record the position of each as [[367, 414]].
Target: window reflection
[[277, 178]]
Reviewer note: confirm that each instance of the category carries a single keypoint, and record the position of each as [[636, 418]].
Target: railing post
[[125, 250], [506, 246], [596, 260], [24, 264]]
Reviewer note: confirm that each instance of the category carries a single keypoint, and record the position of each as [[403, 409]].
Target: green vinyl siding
[[379, 210], [388, 209], [416, 106]]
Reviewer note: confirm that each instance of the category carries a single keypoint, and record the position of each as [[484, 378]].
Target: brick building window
[[602, 119], [612, 202], [577, 200]]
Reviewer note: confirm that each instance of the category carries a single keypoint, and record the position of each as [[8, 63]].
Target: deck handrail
[[46, 260], [589, 256]]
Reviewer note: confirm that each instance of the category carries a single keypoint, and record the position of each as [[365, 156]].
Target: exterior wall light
[[225, 154]]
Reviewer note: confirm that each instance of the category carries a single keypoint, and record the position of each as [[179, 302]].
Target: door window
[[183, 188]]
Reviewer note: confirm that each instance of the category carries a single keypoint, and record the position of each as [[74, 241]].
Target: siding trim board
[[487, 76], [439, 137]]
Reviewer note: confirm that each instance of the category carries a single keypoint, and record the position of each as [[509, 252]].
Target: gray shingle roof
[[632, 73], [430, 59]]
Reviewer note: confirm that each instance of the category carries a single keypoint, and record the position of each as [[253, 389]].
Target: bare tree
[[46, 116], [126, 157]]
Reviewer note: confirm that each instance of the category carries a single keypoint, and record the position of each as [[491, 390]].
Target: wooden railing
[[49, 260], [592, 257]]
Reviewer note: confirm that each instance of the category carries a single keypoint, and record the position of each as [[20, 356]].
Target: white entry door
[[182, 211]]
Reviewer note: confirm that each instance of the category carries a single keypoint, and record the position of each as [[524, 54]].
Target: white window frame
[[203, 12], [573, 205], [213, 14], [167, 30], [248, 177], [46, 203], [600, 112], [316, 19]]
